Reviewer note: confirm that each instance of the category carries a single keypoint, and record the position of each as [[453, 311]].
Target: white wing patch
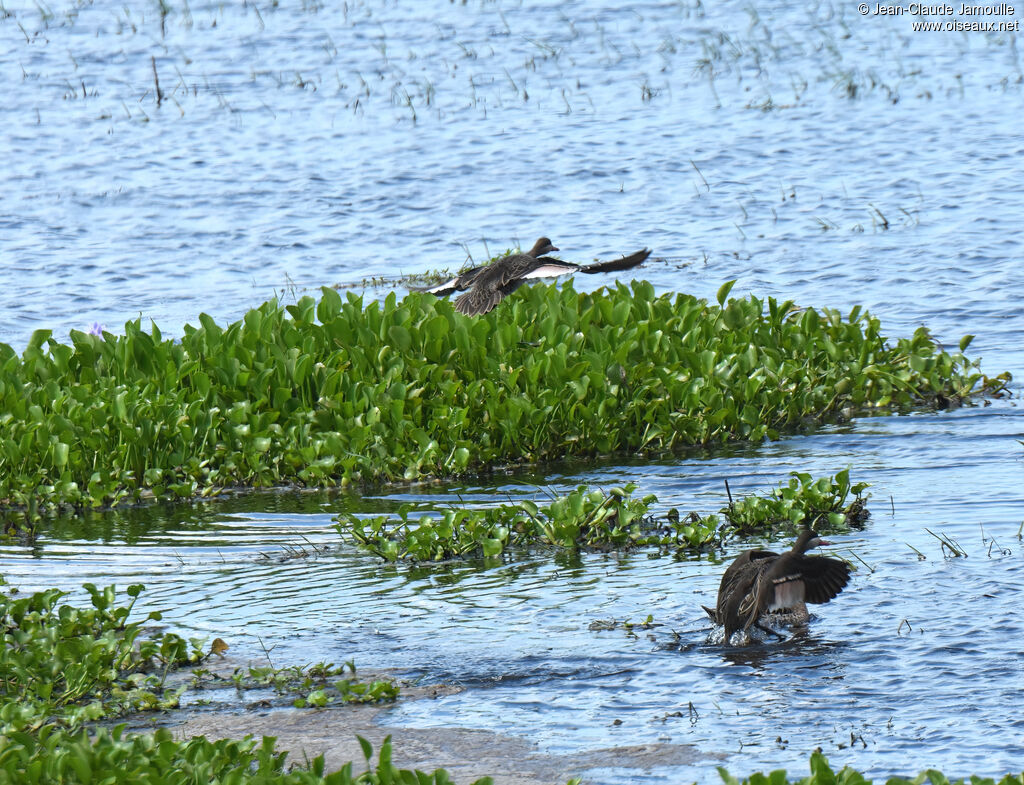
[[551, 270], [789, 593], [450, 284]]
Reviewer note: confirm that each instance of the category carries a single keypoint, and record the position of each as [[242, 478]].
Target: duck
[[762, 584], [485, 286]]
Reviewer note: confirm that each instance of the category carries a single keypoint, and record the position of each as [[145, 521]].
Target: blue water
[[811, 154]]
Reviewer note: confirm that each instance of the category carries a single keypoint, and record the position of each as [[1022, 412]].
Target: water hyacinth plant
[[591, 519], [802, 502], [313, 685], [337, 391], [59, 757], [823, 774], [584, 518], [68, 665]]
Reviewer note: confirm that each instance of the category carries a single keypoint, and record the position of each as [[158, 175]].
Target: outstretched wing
[[478, 301], [625, 263], [459, 283], [823, 577], [549, 267], [737, 595]]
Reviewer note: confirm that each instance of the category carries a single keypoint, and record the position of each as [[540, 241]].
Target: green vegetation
[[66, 665], [315, 684], [335, 391], [822, 774], [802, 502], [113, 757], [64, 668], [583, 519], [594, 520]]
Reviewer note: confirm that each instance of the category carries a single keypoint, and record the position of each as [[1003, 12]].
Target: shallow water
[[286, 156]]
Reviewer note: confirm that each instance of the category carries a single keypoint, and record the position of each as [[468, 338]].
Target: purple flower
[[96, 329]]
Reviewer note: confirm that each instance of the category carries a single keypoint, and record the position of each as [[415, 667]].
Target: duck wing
[[548, 267], [490, 284], [459, 283], [478, 300], [823, 577], [495, 275], [740, 563], [625, 263]]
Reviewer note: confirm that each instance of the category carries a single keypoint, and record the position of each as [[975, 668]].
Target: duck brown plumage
[[489, 284], [759, 582]]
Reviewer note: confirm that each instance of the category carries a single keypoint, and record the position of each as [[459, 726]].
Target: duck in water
[[764, 585], [489, 284]]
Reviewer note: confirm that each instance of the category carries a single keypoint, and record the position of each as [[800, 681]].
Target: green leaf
[[723, 291], [366, 747], [491, 547], [400, 337], [60, 454]]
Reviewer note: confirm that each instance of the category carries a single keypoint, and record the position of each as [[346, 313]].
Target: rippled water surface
[[810, 153]]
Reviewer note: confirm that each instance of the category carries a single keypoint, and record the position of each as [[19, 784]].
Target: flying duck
[[760, 582], [487, 285]]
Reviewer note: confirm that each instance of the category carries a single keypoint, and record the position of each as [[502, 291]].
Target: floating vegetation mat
[[69, 665], [591, 519], [337, 391]]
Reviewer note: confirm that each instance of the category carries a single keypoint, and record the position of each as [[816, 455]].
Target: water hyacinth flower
[[96, 329]]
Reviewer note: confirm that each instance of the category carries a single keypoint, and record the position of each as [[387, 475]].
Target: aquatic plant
[[338, 391], [801, 502], [58, 757], [823, 774], [592, 519], [584, 518], [68, 665], [314, 685]]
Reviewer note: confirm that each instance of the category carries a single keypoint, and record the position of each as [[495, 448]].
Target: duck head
[[541, 247], [808, 540]]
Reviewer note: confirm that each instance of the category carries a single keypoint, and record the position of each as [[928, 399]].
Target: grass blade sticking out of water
[[337, 391]]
